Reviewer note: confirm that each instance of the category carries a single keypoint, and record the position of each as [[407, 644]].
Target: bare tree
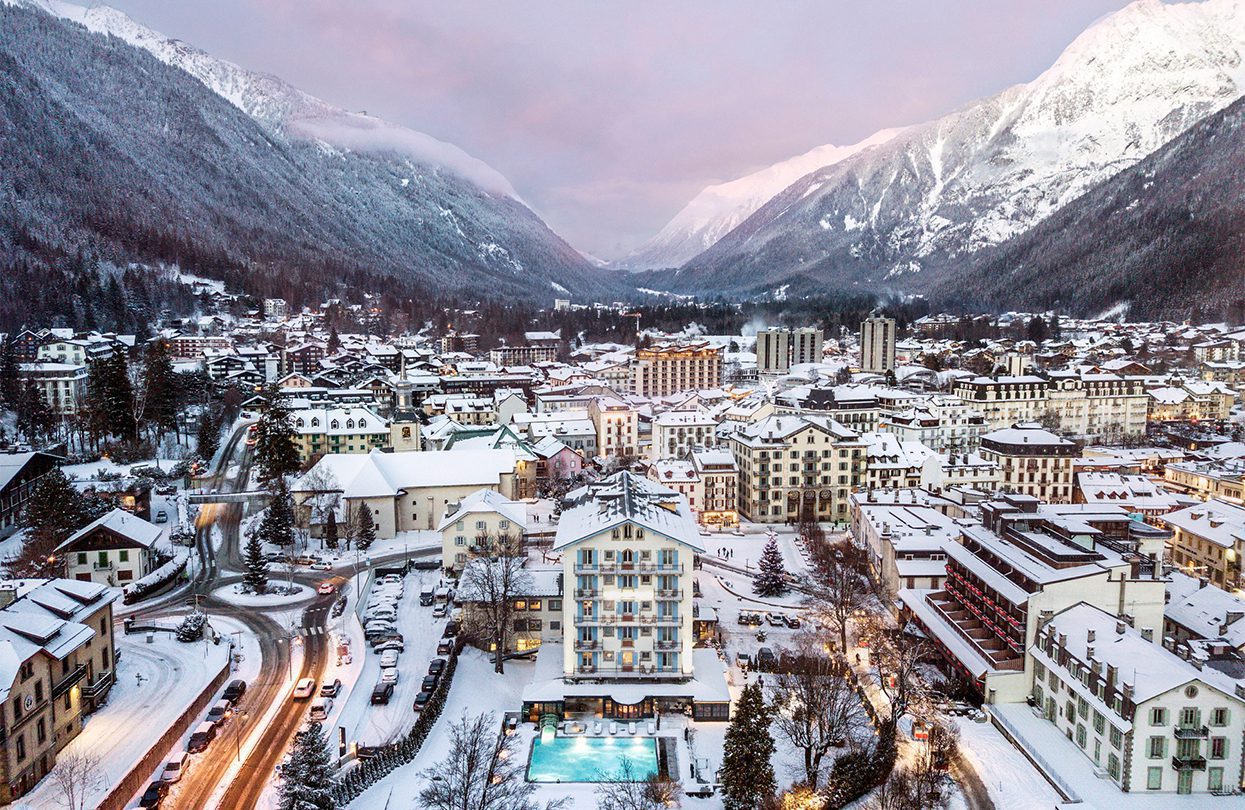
[[321, 493], [930, 765], [840, 588], [626, 791], [896, 660], [490, 585], [816, 707], [484, 771], [76, 776]]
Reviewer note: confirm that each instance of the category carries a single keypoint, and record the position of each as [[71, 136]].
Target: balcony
[[103, 566], [587, 568], [668, 644], [1192, 732], [586, 644], [670, 620], [669, 593], [1189, 763], [68, 681], [636, 672], [587, 593], [648, 618]]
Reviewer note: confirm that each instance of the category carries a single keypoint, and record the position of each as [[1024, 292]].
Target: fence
[[129, 784], [1017, 739]]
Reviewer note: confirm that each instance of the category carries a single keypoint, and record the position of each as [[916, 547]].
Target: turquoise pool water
[[591, 759]]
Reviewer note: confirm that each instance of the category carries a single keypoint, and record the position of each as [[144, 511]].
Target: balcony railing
[[586, 644], [1189, 763], [586, 593], [669, 620], [668, 644], [68, 681], [669, 593], [1192, 732]]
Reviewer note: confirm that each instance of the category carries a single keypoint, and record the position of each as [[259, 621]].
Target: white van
[[175, 768], [320, 709]]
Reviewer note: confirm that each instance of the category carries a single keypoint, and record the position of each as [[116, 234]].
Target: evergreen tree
[[277, 524], [307, 780], [771, 577], [275, 450], [161, 384], [330, 528], [35, 419], [256, 576], [10, 382], [55, 510], [747, 773], [208, 435], [367, 528], [335, 342]]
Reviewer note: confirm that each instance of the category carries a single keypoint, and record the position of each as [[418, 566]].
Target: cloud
[[609, 117]]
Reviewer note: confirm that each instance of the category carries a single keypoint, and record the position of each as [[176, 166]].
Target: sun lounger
[[613, 728], [631, 728], [596, 728], [652, 729]]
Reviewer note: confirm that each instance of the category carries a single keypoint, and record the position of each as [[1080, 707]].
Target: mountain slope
[[1165, 237], [111, 154], [716, 210], [911, 211]]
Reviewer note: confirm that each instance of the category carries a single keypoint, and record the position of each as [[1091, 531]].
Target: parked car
[[175, 768], [153, 795], [444, 646], [391, 579], [389, 658], [776, 619], [339, 607], [439, 612], [381, 693], [326, 588], [793, 622], [386, 638], [383, 613], [220, 712], [766, 659], [421, 700], [307, 728], [426, 565], [304, 689], [389, 675], [167, 489], [331, 688], [306, 559], [425, 597], [161, 517], [429, 683], [201, 738], [234, 691], [321, 565], [436, 666], [451, 629], [743, 659], [393, 644], [321, 709]]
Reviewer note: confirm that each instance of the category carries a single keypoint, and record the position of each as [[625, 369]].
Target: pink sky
[[608, 117]]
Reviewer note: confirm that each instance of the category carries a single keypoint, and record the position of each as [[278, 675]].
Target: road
[[221, 776]]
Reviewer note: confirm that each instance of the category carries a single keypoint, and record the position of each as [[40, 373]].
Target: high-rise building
[[773, 350], [778, 349], [670, 368], [806, 345], [877, 345]]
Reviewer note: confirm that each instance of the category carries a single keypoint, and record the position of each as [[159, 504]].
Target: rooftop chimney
[[1119, 627]]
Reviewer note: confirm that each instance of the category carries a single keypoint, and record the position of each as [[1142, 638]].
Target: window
[[41, 731], [1214, 778], [1156, 748], [1154, 778], [123, 555], [21, 748], [1158, 716], [1113, 766], [1099, 722], [555, 604], [1219, 717], [1190, 717], [1218, 747], [103, 559], [82, 558], [459, 540], [1080, 735]]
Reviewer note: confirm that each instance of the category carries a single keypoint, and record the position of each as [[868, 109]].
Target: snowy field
[[155, 682]]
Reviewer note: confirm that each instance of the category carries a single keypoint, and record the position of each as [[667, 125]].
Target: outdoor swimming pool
[[591, 759]]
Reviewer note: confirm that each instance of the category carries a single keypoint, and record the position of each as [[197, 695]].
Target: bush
[[191, 628], [857, 772]]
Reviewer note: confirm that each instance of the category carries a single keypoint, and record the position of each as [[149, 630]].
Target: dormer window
[[315, 421], [350, 424], [334, 424], [362, 423], [300, 422]]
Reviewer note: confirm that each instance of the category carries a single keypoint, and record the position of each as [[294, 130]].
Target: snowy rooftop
[[708, 684], [1219, 522], [486, 501], [626, 497], [380, 474], [127, 525]]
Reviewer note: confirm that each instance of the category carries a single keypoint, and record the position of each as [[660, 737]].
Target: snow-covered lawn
[[1009, 777], [234, 595], [155, 683]]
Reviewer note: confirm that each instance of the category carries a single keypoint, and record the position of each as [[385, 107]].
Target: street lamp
[[240, 716]]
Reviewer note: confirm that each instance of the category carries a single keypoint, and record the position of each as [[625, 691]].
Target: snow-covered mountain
[[276, 104], [716, 210], [133, 148], [908, 211]]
